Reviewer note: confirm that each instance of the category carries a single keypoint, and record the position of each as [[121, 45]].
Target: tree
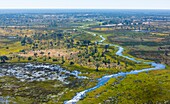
[[3, 59], [166, 53], [29, 40], [49, 53], [35, 54], [59, 36], [55, 59], [29, 58], [95, 50], [51, 43], [97, 66], [72, 42], [86, 42], [68, 45], [23, 41], [71, 63], [42, 53], [106, 47], [63, 61], [118, 62]]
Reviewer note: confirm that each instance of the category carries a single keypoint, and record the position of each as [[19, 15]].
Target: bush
[[29, 58], [55, 60], [41, 52], [22, 50], [35, 60], [71, 63], [44, 59]]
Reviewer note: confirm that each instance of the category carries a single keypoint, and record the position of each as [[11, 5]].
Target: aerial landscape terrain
[[84, 56]]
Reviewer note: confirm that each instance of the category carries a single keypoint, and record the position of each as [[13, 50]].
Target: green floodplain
[[73, 44]]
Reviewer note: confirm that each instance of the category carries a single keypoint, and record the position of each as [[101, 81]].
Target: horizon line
[[91, 8]]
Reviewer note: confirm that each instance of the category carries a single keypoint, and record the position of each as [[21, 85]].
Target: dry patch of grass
[[14, 32], [50, 53], [103, 29]]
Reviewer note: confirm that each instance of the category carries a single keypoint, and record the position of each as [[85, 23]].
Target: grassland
[[150, 87]]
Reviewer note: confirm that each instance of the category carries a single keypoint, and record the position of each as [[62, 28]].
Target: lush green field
[[6, 49], [152, 87]]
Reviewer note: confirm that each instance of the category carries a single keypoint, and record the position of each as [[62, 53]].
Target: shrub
[[22, 50], [71, 63], [55, 60], [29, 58]]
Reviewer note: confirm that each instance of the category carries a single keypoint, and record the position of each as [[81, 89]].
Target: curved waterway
[[104, 79]]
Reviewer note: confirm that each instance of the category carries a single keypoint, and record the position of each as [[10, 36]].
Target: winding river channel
[[104, 79]]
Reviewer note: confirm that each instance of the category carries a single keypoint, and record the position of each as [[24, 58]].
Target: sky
[[85, 4]]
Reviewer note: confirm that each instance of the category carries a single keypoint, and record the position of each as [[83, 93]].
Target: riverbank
[[105, 79]]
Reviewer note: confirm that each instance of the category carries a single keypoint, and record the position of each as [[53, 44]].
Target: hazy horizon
[[84, 8], [85, 4], [124, 11]]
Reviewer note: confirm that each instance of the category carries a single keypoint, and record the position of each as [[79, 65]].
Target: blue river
[[105, 79]]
